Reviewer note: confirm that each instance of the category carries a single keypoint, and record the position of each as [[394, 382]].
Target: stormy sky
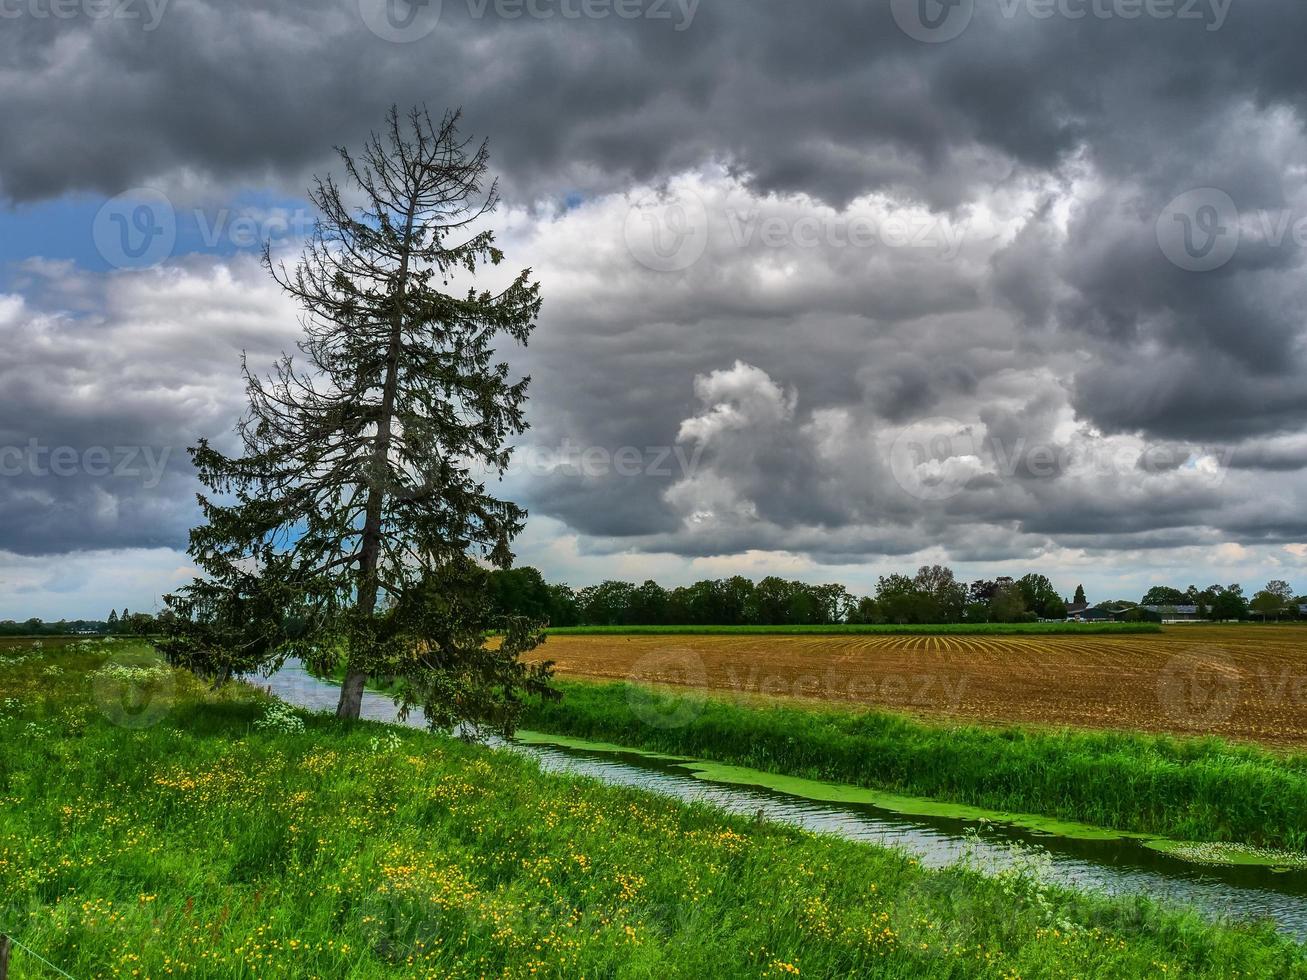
[[830, 289]]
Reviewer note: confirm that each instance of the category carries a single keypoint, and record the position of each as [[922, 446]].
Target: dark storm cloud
[[1285, 456], [96, 410], [831, 100], [1058, 323]]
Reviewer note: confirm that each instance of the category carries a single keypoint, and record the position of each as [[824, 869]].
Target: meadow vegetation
[[1196, 789], [230, 837]]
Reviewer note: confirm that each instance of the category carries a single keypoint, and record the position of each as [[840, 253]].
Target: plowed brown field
[[1239, 682]]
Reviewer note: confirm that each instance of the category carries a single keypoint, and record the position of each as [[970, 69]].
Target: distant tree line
[[933, 595], [38, 627], [735, 601], [132, 624], [126, 623], [1224, 602]]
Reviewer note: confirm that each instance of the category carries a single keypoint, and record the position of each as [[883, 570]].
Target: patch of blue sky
[[137, 230]]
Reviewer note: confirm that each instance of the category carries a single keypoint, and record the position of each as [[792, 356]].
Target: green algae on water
[[587, 745], [820, 791], [1197, 852]]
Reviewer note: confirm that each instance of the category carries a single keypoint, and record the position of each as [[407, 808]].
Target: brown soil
[[1245, 682]]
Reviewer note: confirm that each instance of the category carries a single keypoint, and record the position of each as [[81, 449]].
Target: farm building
[[1096, 614], [1108, 613], [1176, 614]]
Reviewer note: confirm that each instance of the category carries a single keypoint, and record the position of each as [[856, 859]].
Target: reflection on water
[[1112, 866]]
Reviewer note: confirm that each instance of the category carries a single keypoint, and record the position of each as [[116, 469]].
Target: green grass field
[[1189, 789], [886, 629], [227, 840]]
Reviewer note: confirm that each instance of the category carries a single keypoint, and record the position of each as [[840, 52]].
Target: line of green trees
[[38, 627], [130, 623], [1222, 602], [932, 595], [126, 623]]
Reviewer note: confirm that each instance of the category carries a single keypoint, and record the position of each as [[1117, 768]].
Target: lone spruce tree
[[361, 488]]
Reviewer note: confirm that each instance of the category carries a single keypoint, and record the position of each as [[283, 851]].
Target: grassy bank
[[1189, 789], [884, 629], [213, 843]]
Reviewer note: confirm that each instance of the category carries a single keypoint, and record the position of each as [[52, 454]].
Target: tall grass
[[1189, 789], [882, 629], [210, 846]]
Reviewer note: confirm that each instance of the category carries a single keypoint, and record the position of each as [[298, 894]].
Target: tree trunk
[[351, 695], [221, 677], [351, 691]]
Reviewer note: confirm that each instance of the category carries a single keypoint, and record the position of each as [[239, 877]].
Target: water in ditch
[[1112, 866]]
